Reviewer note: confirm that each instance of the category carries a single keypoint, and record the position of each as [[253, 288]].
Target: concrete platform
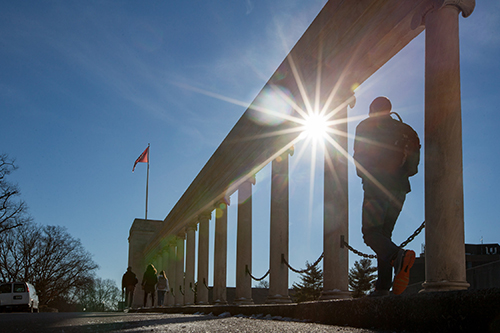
[[454, 311]]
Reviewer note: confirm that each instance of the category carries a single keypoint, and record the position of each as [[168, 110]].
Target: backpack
[[162, 283], [406, 141], [391, 146]]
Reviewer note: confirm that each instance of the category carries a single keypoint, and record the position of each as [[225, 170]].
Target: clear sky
[[85, 86]]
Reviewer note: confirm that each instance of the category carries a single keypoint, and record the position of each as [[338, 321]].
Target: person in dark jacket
[[129, 280], [149, 280], [385, 185]]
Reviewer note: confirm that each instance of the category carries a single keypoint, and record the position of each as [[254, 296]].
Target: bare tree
[[13, 212], [47, 256], [263, 284], [99, 295]]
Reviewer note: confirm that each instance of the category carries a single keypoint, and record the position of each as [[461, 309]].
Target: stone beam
[[346, 43]]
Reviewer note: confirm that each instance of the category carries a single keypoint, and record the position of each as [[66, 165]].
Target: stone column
[[336, 212], [170, 299], [157, 261], [244, 244], [164, 265], [444, 207], [278, 276], [190, 262], [203, 250], [140, 236], [164, 259], [179, 271], [220, 253]]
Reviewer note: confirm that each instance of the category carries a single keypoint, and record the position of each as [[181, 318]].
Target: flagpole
[[147, 181]]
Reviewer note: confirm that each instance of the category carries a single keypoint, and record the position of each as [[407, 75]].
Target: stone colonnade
[[445, 252]]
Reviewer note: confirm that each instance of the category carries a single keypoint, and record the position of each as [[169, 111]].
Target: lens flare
[[315, 126], [272, 107]]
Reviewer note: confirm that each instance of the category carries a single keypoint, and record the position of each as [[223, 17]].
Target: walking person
[[384, 164], [129, 280], [162, 287], [149, 281]]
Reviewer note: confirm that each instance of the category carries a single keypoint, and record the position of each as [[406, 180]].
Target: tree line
[[361, 278], [57, 264]]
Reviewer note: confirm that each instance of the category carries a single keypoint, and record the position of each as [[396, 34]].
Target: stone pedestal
[[336, 213], [278, 276], [444, 200], [140, 236], [203, 250], [220, 253], [244, 244], [190, 265]]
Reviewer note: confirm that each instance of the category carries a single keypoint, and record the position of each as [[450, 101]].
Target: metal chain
[[256, 279], [344, 243], [373, 256], [359, 253], [283, 260], [412, 237]]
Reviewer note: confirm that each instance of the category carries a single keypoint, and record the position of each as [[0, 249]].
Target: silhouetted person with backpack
[[386, 153], [129, 280]]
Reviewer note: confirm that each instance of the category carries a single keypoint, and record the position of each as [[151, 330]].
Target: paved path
[[154, 322]]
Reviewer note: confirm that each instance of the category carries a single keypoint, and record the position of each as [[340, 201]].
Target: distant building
[[482, 263]]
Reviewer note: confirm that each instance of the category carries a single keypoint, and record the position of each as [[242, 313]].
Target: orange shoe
[[402, 271]]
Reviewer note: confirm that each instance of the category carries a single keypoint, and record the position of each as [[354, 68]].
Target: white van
[[18, 296]]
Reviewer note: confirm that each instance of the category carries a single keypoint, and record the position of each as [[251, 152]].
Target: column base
[[220, 302], [335, 294], [243, 301], [278, 299], [444, 286]]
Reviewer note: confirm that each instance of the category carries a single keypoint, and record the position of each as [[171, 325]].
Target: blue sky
[[85, 86]]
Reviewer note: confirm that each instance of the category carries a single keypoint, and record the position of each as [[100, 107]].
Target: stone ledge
[[453, 311]]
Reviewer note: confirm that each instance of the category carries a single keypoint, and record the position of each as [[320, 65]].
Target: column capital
[[252, 180], [204, 216], [285, 153], [351, 101], [464, 6], [224, 200], [192, 227], [181, 235], [345, 97]]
